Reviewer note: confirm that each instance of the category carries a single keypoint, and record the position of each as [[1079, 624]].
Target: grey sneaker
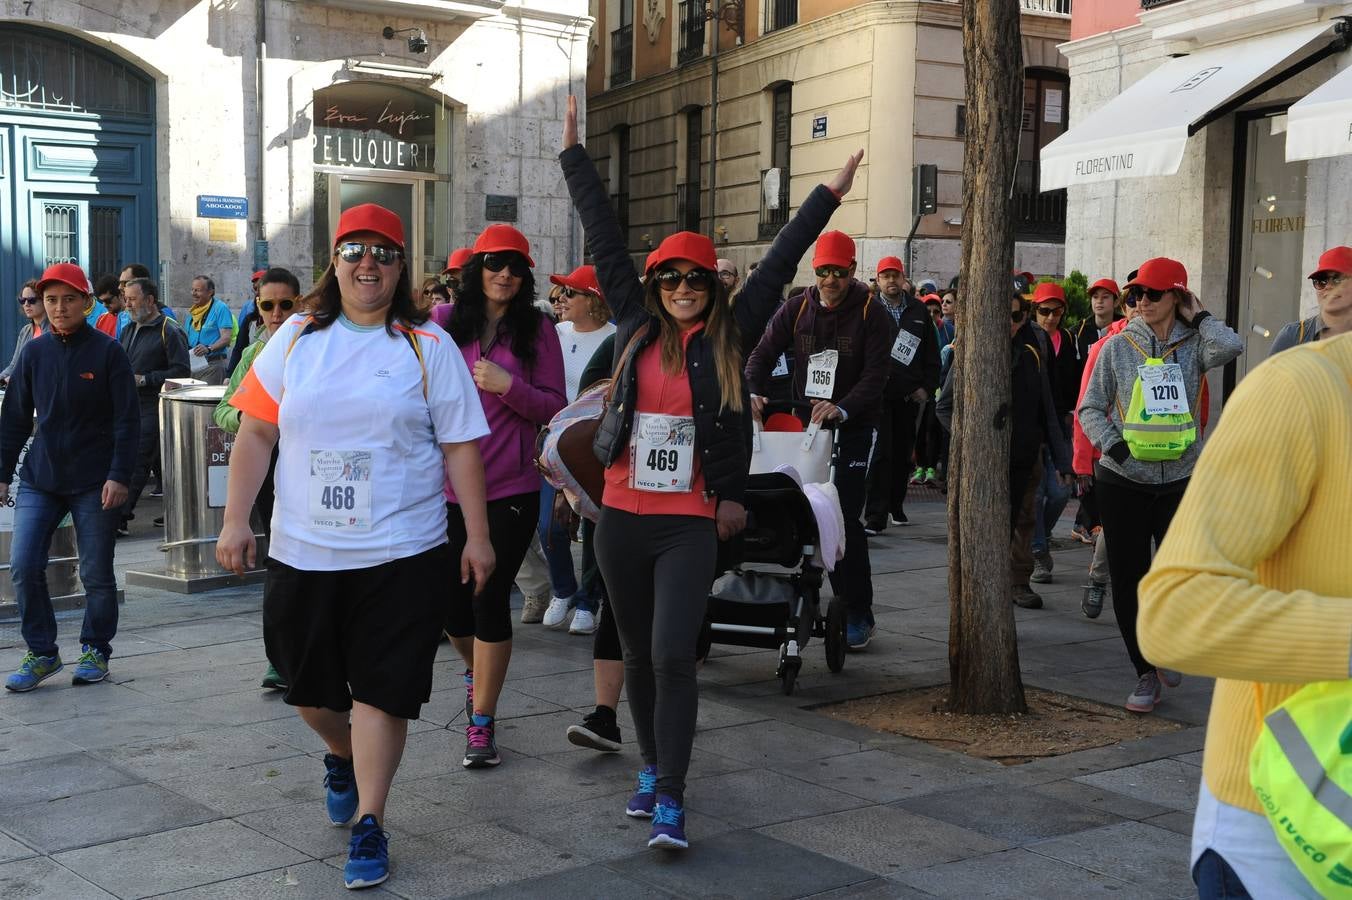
[[1091, 604], [1042, 568], [1026, 598], [1146, 695], [533, 611], [1170, 677]]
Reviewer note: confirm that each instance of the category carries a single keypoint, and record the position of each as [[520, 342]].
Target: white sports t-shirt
[[360, 470], [578, 349]]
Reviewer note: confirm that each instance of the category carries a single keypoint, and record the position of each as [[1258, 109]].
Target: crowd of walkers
[[422, 486]]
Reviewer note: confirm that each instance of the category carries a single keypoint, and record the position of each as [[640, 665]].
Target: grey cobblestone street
[[179, 776]]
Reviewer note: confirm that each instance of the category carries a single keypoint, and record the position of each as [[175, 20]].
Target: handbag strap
[[624, 359]]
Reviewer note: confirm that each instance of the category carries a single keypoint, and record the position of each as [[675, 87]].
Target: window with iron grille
[[780, 14], [692, 31], [1037, 214], [47, 71], [621, 55], [775, 209]]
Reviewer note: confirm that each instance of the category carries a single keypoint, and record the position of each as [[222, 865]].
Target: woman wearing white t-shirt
[[585, 324], [367, 406]]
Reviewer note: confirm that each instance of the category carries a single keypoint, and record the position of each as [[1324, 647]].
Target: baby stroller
[[769, 590]]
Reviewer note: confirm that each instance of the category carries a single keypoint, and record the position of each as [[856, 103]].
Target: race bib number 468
[[340, 490]]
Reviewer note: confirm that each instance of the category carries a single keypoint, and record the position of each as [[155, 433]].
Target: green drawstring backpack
[[1158, 435]]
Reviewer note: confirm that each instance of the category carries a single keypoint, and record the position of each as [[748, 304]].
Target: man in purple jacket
[[841, 340]]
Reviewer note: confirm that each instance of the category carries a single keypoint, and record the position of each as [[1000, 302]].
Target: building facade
[[801, 84], [1234, 198], [212, 137]]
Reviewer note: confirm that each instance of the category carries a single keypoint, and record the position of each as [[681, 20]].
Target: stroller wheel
[[788, 670], [835, 635]]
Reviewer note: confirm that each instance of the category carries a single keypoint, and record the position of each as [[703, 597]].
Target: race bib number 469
[[340, 490]]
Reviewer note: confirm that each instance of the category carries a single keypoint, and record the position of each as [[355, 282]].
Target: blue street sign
[[213, 206]]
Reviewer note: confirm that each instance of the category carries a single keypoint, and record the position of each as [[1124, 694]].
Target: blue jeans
[[1215, 879], [37, 514], [557, 546], [1051, 499]]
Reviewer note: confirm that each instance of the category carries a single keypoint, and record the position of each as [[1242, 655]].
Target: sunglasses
[[831, 272], [1017, 315], [697, 279], [451, 282], [286, 305], [1048, 312], [1323, 280], [29, 301], [353, 251], [513, 262]]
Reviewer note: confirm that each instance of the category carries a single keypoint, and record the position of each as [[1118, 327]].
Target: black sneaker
[[481, 750], [598, 730], [900, 519], [158, 521], [122, 529], [1026, 598], [874, 527], [1091, 604]]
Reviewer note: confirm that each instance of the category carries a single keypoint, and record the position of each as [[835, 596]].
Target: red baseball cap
[[370, 217], [259, 274], [834, 248], [1049, 292], [67, 274], [1336, 259], [1161, 274], [890, 264], [648, 263], [1107, 284], [583, 278], [459, 256], [932, 298], [685, 245], [502, 239]]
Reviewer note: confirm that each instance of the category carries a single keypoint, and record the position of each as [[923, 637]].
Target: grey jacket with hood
[[1108, 393]]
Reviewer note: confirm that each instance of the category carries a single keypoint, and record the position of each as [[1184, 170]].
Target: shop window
[[774, 211]]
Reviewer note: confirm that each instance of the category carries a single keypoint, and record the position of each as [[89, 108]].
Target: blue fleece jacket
[[88, 422]]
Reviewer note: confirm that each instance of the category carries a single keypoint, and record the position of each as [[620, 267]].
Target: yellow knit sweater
[[1253, 584]]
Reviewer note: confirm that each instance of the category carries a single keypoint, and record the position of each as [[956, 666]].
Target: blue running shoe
[[668, 825], [32, 671], [368, 857], [341, 783], [858, 633], [91, 667], [645, 797]]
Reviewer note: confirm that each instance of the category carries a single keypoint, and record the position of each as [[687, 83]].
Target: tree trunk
[[983, 653]]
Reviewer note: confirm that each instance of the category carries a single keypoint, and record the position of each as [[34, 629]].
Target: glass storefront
[[386, 144]]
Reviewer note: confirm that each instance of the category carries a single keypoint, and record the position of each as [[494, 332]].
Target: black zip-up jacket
[[88, 421], [1086, 336], [158, 350], [722, 436], [923, 370], [859, 331], [1064, 370]]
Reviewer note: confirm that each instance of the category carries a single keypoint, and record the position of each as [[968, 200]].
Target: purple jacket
[[515, 417]]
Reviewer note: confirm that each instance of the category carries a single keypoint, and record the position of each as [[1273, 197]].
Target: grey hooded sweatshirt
[[1108, 393]]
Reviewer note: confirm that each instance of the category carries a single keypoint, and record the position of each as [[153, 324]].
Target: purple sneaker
[[668, 826], [645, 796]]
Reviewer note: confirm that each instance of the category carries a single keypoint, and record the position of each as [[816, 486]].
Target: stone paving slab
[[306, 881], [1156, 859], [11, 849], [595, 882], [42, 879], [98, 817], [1019, 873], [1012, 814], [1167, 782], [53, 777], [754, 797]]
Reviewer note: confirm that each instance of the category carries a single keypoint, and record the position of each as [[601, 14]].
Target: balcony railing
[[1055, 7], [687, 206], [771, 220], [621, 55], [1151, 4], [1040, 216], [692, 31], [780, 14]]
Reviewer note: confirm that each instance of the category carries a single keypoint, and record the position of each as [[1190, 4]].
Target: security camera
[[417, 43]]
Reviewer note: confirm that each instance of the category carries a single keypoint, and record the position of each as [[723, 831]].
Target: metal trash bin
[[195, 452]]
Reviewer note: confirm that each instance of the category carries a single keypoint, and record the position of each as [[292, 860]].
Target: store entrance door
[[398, 195], [1271, 236]]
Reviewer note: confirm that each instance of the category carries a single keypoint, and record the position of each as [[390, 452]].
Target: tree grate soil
[[1055, 724]]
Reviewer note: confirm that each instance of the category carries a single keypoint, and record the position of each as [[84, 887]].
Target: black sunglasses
[[287, 305], [513, 262], [1322, 280], [28, 301], [831, 272], [697, 279], [353, 251], [1017, 315], [1048, 311]]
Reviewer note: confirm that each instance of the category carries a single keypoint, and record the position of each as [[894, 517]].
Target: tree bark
[[983, 653]]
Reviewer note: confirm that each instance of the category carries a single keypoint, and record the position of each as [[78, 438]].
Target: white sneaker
[[557, 613], [584, 622]]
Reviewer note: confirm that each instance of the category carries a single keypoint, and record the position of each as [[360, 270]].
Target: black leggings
[[1132, 517], [511, 527], [659, 570], [606, 643]]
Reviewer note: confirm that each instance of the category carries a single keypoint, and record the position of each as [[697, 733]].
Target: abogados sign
[[369, 126]]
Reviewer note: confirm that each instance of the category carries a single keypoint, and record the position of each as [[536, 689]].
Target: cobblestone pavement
[[180, 777]]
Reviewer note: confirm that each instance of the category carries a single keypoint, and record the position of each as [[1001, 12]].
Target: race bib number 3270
[[340, 490]]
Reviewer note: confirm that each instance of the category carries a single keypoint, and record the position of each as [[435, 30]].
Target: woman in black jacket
[[676, 441]]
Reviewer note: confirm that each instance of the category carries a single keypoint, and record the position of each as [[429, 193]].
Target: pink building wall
[[1098, 16]]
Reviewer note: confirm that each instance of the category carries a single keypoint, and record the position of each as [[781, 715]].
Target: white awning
[[1143, 130], [1320, 125]]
